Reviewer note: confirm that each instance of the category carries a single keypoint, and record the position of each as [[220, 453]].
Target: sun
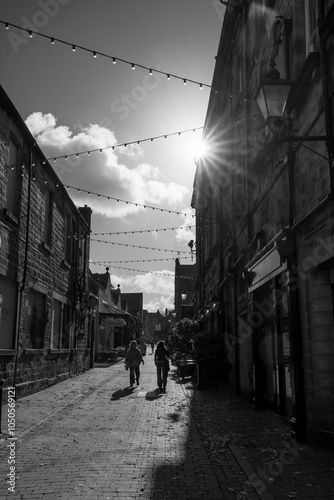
[[197, 148], [200, 149]]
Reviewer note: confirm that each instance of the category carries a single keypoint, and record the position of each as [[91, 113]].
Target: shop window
[[61, 325], [8, 300], [36, 319]]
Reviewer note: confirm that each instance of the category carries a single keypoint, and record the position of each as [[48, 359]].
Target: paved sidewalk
[[92, 437]]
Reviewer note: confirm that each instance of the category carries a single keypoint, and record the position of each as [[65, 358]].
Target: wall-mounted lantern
[[273, 93]]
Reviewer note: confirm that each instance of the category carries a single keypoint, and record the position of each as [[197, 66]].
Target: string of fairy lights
[[137, 246], [102, 149], [132, 261], [158, 273], [88, 152], [140, 231], [95, 54], [119, 200]]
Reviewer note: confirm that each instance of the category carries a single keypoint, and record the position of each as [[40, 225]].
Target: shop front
[[271, 328]]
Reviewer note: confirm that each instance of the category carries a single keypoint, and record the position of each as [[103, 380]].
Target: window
[[36, 319], [311, 17], [61, 325], [8, 301], [48, 218], [70, 239], [12, 179]]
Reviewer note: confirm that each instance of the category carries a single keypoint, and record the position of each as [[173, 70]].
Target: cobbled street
[[94, 437]]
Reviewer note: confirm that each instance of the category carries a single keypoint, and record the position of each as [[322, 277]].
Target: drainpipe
[[298, 419], [25, 270]]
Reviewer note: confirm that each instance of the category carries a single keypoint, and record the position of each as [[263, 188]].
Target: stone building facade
[[44, 256], [263, 195]]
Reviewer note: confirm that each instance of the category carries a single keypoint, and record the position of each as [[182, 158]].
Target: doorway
[[272, 346]]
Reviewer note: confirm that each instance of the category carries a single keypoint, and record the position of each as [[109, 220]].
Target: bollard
[[1, 386]]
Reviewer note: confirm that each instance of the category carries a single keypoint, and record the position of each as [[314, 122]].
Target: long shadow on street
[[231, 451]]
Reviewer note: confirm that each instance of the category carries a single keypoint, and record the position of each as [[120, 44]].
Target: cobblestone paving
[[94, 437]]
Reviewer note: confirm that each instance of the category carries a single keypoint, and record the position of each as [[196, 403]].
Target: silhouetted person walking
[[162, 363], [133, 358]]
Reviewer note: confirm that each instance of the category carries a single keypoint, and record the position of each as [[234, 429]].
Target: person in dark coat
[[162, 363], [133, 358]]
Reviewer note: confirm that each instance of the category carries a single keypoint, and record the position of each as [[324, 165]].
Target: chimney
[[86, 213]]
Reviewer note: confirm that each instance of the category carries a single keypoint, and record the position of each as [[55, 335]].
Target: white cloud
[[160, 303], [39, 123], [158, 291], [103, 173]]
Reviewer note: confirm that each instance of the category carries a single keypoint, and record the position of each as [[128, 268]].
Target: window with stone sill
[[61, 325], [8, 304], [36, 319]]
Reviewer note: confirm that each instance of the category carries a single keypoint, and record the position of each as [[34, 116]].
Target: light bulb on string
[[94, 55], [73, 48], [113, 60], [133, 66]]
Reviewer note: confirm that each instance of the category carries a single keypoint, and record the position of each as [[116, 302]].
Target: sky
[[74, 102]]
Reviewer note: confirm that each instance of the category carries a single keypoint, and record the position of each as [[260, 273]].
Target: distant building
[[115, 326], [157, 326], [111, 322], [132, 303]]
